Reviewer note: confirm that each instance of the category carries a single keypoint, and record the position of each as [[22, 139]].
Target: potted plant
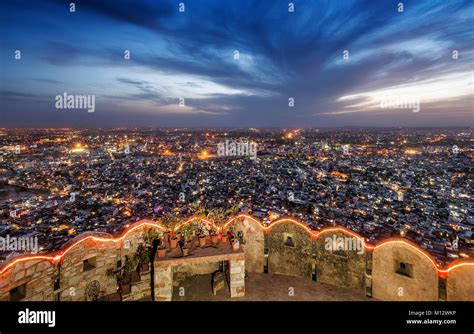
[[134, 267], [190, 243], [161, 251], [214, 236], [173, 240], [142, 257], [225, 236], [202, 235], [184, 247], [186, 233], [124, 286], [116, 275], [171, 222], [185, 250], [202, 240], [124, 276], [166, 236]]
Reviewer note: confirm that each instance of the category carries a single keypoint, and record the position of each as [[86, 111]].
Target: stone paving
[[268, 287]]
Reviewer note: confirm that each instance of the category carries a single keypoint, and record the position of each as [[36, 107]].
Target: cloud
[[191, 55], [49, 81]]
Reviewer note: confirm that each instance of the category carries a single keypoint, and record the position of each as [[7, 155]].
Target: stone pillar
[[163, 284], [237, 278]]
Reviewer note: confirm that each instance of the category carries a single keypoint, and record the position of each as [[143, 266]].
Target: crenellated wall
[[289, 258], [85, 263], [418, 281], [254, 244], [36, 276], [460, 284], [341, 268], [394, 269]]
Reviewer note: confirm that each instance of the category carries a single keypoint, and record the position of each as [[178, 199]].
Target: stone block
[[37, 297], [73, 281], [19, 275], [30, 271], [237, 292], [234, 283], [239, 276], [4, 283], [42, 266], [235, 270], [238, 263]]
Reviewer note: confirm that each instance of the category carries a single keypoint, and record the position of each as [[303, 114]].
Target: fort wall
[[393, 269]]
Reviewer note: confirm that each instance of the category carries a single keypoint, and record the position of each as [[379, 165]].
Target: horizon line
[[238, 128]]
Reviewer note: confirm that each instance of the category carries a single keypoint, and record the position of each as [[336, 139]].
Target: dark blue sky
[[190, 55]]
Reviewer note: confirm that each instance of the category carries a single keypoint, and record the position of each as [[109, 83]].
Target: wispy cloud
[[191, 55]]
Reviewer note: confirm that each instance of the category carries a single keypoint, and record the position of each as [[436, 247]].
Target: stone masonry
[[67, 277], [237, 278], [163, 284]]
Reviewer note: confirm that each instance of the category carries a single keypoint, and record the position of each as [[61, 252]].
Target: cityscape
[[413, 183], [235, 163]]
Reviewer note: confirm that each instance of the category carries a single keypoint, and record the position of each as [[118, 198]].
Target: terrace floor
[[267, 287]]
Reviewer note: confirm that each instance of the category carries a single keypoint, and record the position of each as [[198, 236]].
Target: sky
[[238, 63]]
